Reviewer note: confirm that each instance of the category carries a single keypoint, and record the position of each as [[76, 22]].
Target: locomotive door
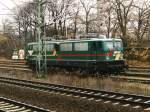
[[93, 51]]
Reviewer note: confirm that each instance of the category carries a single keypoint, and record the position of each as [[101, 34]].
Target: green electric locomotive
[[90, 55]]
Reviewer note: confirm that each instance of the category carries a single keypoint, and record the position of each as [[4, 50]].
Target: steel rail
[[123, 98], [136, 74], [140, 67], [15, 66], [131, 79], [8, 105]]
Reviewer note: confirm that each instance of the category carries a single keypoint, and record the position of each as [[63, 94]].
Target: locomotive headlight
[[121, 56], [107, 58], [30, 52]]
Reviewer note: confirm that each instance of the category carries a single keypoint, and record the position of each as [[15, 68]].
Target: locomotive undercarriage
[[85, 67]]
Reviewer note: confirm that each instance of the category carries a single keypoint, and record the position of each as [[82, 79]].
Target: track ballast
[[8, 105], [94, 95]]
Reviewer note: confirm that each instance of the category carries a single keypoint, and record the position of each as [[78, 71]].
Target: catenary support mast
[[40, 63]]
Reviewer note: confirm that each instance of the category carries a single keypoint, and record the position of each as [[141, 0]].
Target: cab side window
[[100, 46], [49, 47], [56, 46], [30, 47], [93, 46]]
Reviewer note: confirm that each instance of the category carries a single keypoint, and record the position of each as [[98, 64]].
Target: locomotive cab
[[110, 55]]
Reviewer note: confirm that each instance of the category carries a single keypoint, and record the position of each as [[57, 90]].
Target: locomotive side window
[[35, 47], [49, 47], [81, 46], [99, 46], [93, 47], [66, 47], [30, 47], [56, 46]]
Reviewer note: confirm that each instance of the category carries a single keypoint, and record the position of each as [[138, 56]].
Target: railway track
[[140, 67], [134, 74], [131, 79], [8, 105], [138, 71], [19, 65], [137, 74], [136, 101], [20, 62]]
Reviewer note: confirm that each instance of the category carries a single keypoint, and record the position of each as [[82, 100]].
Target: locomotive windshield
[[30, 47], [118, 46], [108, 45], [35, 47]]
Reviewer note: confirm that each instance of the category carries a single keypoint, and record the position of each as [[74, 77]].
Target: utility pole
[[40, 65]]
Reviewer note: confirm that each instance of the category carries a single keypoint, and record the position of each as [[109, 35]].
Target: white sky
[[6, 6]]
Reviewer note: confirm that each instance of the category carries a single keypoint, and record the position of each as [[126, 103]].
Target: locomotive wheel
[[80, 72], [117, 73], [66, 71], [32, 67]]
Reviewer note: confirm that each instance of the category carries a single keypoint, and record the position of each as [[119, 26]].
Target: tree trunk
[[75, 28], [55, 29], [25, 37], [87, 25], [108, 32]]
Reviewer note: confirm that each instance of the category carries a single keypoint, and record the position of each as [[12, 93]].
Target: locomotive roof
[[77, 40], [84, 39], [92, 39], [34, 43]]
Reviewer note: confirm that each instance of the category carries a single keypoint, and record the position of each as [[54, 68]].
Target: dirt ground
[[59, 103]]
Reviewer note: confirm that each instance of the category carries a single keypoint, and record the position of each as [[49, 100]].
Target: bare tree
[[110, 20], [5, 25], [122, 9], [87, 6], [75, 16], [58, 13], [25, 18], [141, 21]]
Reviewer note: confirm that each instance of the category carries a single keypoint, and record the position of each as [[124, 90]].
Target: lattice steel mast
[[41, 60]]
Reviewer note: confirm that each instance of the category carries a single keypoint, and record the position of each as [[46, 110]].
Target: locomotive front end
[[110, 56]]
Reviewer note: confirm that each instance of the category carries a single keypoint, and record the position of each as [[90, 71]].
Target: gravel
[[62, 103], [58, 103]]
